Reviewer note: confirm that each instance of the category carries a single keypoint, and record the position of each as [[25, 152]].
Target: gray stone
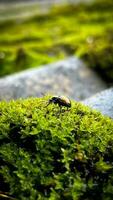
[[102, 102], [69, 77], [23, 9]]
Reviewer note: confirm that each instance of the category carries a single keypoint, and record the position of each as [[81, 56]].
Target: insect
[[61, 101]]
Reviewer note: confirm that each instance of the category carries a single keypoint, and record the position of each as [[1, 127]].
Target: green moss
[[82, 30], [46, 154]]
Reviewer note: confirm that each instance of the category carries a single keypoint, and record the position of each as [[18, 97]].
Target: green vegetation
[[46, 154], [82, 30]]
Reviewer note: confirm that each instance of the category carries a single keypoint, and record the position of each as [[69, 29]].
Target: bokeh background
[[33, 33]]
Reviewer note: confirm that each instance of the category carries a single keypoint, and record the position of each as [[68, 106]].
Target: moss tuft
[[46, 154]]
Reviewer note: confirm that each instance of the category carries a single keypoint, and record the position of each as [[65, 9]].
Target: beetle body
[[61, 101]]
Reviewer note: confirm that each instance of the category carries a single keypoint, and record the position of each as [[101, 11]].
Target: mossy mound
[[82, 30], [46, 154]]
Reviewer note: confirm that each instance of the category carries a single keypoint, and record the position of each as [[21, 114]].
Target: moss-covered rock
[[48, 154], [82, 30]]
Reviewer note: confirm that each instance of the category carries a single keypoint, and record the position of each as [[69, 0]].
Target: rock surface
[[69, 77], [102, 102]]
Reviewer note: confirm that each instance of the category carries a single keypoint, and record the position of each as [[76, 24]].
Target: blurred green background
[[31, 37]]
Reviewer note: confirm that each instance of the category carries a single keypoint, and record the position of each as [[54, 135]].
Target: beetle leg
[[60, 109], [68, 109]]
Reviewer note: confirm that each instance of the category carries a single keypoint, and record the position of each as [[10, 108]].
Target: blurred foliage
[[82, 30], [48, 154]]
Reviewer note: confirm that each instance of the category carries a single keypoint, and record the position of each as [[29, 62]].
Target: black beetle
[[61, 101]]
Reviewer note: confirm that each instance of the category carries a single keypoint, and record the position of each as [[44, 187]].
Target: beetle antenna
[[48, 103]]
